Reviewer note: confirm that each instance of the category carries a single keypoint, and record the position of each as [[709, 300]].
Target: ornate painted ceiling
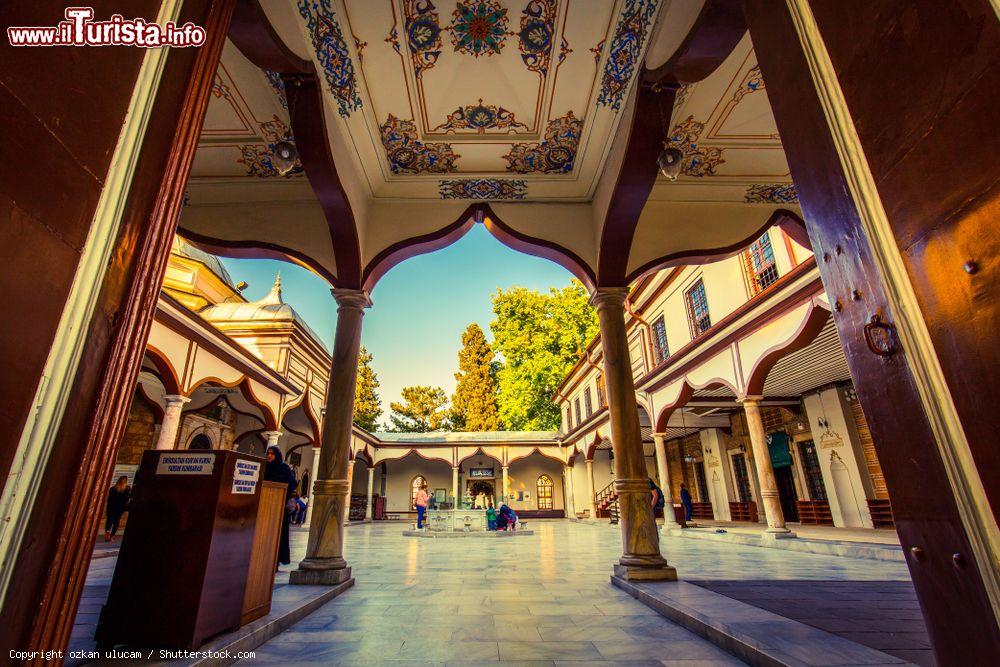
[[525, 104]]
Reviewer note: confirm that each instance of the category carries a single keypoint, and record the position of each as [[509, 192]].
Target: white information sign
[[185, 464], [245, 477]]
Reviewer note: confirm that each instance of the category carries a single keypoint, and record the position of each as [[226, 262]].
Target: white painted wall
[[524, 474], [718, 473], [840, 458], [400, 474]]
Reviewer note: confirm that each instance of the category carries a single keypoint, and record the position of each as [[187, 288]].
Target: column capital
[[609, 297], [357, 299], [176, 399], [271, 436], [660, 436], [750, 400]]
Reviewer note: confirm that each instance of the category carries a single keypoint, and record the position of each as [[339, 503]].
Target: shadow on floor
[[883, 615]]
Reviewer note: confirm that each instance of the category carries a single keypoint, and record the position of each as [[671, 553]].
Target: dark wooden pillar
[[912, 177], [51, 565]]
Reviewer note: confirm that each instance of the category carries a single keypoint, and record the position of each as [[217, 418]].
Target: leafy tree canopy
[[422, 410], [474, 405], [367, 404], [540, 337]]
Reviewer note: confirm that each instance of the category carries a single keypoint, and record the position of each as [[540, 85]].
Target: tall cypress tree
[[474, 405], [367, 404]]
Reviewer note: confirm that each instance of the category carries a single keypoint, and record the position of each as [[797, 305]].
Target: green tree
[[367, 404], [474, 405], [422, 410], [540, 337]]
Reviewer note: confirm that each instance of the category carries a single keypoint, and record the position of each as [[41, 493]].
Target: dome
[[212, 263]]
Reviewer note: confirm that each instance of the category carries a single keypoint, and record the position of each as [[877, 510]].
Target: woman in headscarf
[[116, 506], [277, 470]]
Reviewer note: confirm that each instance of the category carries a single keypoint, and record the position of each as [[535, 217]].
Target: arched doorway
[[200, 441]]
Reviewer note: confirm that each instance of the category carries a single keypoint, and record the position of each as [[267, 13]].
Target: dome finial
[[274, 296]]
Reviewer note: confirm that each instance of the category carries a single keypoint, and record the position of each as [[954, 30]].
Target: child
[[491, 518]]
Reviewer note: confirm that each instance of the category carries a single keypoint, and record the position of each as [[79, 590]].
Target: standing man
[[686, 502]]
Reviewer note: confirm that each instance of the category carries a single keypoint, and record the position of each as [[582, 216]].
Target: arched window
[[415, 485], [544, 492], [200, 441]]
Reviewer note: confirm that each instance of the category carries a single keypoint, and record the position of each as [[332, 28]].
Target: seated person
[[491, 518], [501, 523]]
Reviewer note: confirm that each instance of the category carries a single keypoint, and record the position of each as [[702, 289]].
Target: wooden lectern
[[183, 568]]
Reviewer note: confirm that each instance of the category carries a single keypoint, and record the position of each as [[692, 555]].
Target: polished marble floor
[[543, 600]]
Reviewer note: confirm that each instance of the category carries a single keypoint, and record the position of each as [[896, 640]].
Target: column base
[[777, 534], [670, 529], [661, 572], [320, 572]]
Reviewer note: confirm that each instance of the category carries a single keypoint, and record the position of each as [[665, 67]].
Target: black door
[[786, 493]]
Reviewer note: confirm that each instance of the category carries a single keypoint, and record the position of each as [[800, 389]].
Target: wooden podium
[[185, 560]]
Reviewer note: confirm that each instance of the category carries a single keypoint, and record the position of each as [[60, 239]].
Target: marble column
[[324, 562], [591, 491], [171, 421], [370, 510], [506, 484], [272, 438], [312, 476], [641, 558], [569, 502], [765, 472], [350, 487], [663, 470], [454, 484]]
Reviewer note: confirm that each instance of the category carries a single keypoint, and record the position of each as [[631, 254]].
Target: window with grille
[[569, 419], [697, 307], [576, 407], [588, 402], [742, 478], [813, 473], [761, 269], [602, 400], [544, 495], [660, 350]]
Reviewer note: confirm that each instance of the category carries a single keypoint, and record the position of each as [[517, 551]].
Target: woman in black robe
[[277, 470], [116, 506]]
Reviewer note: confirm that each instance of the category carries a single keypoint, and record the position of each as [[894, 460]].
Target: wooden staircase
[[606, 503]]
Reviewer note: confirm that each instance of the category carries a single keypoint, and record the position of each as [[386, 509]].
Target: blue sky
[[421, 307]]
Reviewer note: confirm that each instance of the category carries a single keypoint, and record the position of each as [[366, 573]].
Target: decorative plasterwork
[[423, 34], [407, 154], [483, 188], [771, 193], [698, 160], [274, 79], [626, 48], [553, 155], [258, 159], [480, 117], [535, 38], [331, 51]]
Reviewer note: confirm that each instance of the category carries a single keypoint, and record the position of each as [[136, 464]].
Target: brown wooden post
[[324, 562], [887, 114], [51, 566], [641, 558]]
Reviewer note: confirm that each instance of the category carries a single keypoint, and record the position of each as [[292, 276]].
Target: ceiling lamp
[[285, 157], [670, 162]]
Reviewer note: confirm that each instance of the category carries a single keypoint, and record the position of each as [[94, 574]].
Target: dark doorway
[[786, 493], [200, 441]]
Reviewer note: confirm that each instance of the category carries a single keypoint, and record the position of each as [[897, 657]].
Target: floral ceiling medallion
[[479, 118], [554, 155], [483, 188], [423, 34], [407, 154], [698, 160], [626, 47], [537, 25], [479, 27], [331, 52]]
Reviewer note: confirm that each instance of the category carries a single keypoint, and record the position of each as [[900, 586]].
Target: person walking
[[686, 502], [421, 504], [276, 470], [119, 496]]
